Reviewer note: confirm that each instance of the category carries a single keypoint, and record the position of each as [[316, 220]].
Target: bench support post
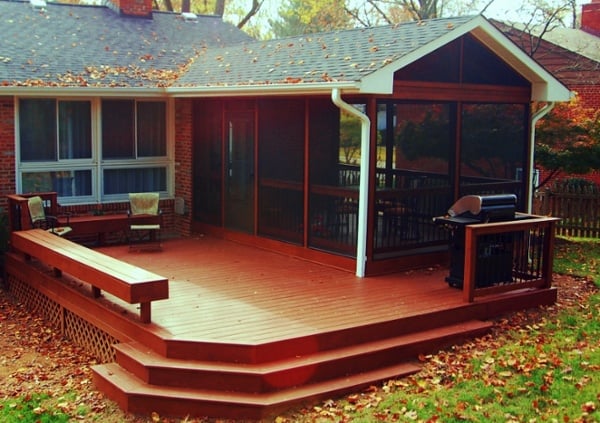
[[145, 312], [95, 292]]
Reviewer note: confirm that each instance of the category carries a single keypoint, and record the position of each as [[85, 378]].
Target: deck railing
[[527, 245]]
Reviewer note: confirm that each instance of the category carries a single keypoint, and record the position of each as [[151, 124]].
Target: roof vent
[[189, 17], [38, 4]]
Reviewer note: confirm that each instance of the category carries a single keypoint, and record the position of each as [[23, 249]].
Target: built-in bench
[[130, 283], [87, 224]]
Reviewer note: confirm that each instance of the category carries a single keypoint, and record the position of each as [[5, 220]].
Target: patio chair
[[144, 234], [39, 218]]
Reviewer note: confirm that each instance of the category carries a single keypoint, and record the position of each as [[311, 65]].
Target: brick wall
[[183, 163], [590, 17], [137, 8], [7, 149], [589, 95]]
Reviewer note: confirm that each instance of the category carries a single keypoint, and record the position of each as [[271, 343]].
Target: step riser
[[228, 407], [243, 381], [356, 335], [329, 341]]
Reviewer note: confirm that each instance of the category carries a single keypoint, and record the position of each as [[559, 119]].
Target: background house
[[572, 55]]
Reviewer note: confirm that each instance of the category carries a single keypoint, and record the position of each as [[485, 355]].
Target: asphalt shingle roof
[[74, 45], [347, 55], [77, 46]]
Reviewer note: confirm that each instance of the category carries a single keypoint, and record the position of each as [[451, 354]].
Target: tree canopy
[[568, 139]]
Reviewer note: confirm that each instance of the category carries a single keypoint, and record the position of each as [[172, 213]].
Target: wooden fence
[[578, 207]]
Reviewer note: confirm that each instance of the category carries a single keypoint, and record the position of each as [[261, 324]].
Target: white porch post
[[363, 196]]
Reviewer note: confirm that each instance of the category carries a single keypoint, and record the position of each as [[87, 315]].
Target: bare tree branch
[[256, 5]]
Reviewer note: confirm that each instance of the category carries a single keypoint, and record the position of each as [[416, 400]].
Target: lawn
[[536, 365]]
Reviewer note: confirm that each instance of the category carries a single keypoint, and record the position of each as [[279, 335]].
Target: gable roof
[[576, 40], [359, 60], [342, 57], [73, 45], [79, 49]]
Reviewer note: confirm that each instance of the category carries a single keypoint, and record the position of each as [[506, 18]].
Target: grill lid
[[485, 207]]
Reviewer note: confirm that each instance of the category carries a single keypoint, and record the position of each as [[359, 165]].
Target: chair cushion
[[144, 227], [144, 203], [36, 209]]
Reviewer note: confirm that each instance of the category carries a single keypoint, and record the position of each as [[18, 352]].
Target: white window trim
[[94, 164]]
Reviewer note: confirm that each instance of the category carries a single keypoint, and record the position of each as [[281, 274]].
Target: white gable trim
[[545, 87]]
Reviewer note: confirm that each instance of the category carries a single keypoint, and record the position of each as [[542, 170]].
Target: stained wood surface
[[227, 292], [124, 280]]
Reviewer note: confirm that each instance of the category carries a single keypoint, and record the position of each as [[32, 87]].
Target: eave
[[324, 88], [54, 91]]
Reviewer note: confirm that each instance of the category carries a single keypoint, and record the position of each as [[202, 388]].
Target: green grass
[[578, 256], [33, 408], [539, 366]]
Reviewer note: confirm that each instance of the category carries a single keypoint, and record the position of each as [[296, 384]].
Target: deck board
[[228, 292]]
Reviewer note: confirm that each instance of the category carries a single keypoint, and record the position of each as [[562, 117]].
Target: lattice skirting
[[95, 341]]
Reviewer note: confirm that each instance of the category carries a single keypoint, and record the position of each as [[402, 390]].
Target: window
[[56, 146], [133, 129], [134, 146], [59, 149], [53, 131]]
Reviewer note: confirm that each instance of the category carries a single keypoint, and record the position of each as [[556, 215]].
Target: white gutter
[[363, 193], [534, 119], [183, 92]]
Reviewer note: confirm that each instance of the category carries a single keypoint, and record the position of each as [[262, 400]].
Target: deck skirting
[[72, 326]]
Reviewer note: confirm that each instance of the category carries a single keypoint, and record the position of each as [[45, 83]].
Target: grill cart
[[494, 252]]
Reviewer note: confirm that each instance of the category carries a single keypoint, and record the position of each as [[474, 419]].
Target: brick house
[[573, 57], [244, 139]]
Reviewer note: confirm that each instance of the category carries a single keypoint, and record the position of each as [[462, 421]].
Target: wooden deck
[[247, 332]]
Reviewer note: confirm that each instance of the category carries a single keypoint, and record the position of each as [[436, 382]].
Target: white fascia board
[[545, 87], [264, 90], [382, 81], [81, 92], [324, 88]]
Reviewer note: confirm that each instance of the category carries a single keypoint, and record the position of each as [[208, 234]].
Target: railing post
[[470, 265], [548, 253]]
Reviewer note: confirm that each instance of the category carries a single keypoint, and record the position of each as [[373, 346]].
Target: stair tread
[[130, 385], [149, 358]]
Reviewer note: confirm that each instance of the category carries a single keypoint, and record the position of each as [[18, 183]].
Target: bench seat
[[123, 280], [106, 223]]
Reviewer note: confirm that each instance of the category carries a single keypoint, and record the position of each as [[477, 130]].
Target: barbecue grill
[[494, 252]]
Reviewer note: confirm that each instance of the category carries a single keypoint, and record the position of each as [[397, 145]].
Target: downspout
[[363, 193], [534, 120]]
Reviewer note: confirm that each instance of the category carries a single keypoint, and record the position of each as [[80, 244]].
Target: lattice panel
[[90, 337], [35, 301], [73, 327]]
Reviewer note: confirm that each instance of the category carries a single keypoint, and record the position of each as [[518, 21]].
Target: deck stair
[[143, 380]]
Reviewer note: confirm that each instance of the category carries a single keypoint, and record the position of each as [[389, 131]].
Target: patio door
[[239, 178]]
